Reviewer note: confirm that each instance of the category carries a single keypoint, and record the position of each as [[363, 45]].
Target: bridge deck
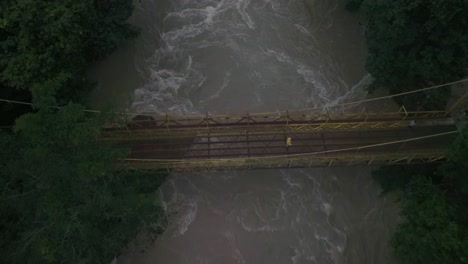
[[170, 127], [247, 150]]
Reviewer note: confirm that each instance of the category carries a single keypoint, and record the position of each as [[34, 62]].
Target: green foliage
[[62, 200], [456, 168], [10, 111], [353, 5], [433, 202], [46, 46], [393, 178], [413, 44], [429, 233], [456, 178]]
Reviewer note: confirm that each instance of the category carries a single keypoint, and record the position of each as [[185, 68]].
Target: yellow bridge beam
[[336, 159]]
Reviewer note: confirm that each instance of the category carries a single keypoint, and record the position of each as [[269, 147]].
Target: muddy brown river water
[[237, 56]]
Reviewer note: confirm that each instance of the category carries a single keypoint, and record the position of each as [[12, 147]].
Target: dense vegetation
[[46, 46], [62, 200], [433, 202], [415, 44]]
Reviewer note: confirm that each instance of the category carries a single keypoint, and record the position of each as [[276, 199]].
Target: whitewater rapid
[[249, 55]]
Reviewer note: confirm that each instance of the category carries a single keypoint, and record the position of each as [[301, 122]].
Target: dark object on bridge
[[143, 121], [142, 118]]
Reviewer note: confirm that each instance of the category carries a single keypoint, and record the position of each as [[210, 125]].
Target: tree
[[412, 44], [456, 179], [415, 44], [353, 5], [396, 178], [63, 200], [429, 233], [433, 205], [46, 46]]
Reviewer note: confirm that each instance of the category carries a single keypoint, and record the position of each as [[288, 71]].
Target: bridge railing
[[212, 125], [303, 161]]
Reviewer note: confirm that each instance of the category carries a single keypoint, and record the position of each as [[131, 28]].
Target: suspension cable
[[295, 155], [264, 113]]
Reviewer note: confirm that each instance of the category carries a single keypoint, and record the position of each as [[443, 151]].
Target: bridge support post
[[247, 135], [167, 124], [207, 121], [403, 109], [458, 104]]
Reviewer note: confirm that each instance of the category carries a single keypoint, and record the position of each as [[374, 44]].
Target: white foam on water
[[201, 24], [220, 90], [161, 199], [289, 181], [167, 79], [357, 92], [254, 229], [181, 204], [310, 211], [297, 256], [236, 254], [303, 30], [258, 96], [189, 217], [315, 77], [283, 201], [242, 6], [280, 56], [327, 208]]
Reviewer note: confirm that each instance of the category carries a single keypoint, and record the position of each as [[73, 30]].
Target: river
[[238, 56]]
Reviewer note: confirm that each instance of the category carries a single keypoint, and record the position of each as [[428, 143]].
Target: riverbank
[[63, 201]]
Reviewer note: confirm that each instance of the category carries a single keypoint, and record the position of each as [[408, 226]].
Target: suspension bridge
[[314, 137], [206, 143]]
